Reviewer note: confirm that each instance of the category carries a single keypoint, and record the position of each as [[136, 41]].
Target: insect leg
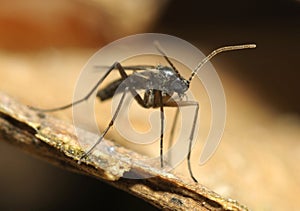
[[124, 75], [82, 99], [159, 103], [134, 93], [174, 126], [131, 67], [137, 97], [172, 103], [109, 125], [162, 126], [191, 139]]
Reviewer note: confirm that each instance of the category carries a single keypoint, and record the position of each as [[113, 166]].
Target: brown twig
[[56, 141]]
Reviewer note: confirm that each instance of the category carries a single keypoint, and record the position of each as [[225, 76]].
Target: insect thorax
[[162, 78]]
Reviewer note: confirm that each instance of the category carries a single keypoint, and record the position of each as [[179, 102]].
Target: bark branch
[[56, 141]]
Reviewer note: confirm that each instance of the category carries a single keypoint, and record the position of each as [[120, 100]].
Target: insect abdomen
[[109, 91]]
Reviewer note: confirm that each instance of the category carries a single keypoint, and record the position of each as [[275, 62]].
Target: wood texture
[[56, 141]]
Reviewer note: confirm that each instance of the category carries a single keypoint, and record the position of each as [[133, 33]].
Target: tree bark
[[56, 141]]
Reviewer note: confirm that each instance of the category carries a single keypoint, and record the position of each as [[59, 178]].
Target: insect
[[163, 86]]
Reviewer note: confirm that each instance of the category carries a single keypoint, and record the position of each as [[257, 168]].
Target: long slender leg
[[123, 74], [136, 96], [131, 67], [159, 103], [85, 97], [162, 126], [108, 127], [173, 127], [172, 103], [190, 144]]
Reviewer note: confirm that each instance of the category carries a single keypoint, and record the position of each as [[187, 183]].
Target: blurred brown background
[[44, 45]]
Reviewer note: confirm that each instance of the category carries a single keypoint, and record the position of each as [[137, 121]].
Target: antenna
[[217, 51]]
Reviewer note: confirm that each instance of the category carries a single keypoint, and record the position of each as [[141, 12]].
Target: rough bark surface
[[56, 141]]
